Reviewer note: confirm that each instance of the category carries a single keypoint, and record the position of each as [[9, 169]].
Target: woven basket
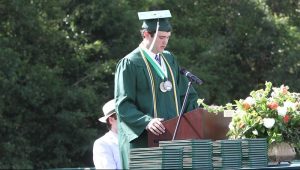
[[281, 152]]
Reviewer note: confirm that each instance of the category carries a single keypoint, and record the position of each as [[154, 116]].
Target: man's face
[[161, 41], [113, 122]]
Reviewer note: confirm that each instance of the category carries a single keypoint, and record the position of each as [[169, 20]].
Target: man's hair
[[108, 125], [145, 30]]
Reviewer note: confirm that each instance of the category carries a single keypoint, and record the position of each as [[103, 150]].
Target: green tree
[[232, 45], [48, 116]]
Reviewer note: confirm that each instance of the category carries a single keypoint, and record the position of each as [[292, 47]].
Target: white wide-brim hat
[[108, 110]]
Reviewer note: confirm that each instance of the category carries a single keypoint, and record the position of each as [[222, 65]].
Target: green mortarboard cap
[[150, 19]]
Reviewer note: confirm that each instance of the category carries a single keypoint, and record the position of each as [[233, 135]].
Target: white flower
[[282, 111], [257, 94], [231, 127], [240, 113], [275, 92], [255, 132], [250, 101], [200, 101], [284, 89], [289, 104], [269, 122]]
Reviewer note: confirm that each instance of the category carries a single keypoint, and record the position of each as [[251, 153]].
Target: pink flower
[[284, 89], [273, 105], [246, 106], [286, 118]]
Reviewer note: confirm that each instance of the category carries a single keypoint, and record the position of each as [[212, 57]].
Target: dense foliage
[[57, 62]]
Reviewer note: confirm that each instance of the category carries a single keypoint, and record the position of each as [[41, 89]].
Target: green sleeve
[[132, 121]]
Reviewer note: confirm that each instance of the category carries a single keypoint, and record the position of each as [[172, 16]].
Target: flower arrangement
[[272, 113]]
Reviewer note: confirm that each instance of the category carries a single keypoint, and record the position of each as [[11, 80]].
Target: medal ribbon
[[155, 65], [173, 82], [152, 83]]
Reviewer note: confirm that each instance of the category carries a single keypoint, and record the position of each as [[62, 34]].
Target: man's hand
[[156, 127]]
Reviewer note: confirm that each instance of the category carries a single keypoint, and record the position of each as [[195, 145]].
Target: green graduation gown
[[134, 103]]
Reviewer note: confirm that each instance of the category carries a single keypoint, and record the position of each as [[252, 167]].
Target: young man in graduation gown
[[148, 85]]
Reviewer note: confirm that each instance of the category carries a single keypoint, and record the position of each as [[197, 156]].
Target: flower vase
[[281, 152]]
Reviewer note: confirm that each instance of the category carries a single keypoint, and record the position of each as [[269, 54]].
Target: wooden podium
[[196, 124]]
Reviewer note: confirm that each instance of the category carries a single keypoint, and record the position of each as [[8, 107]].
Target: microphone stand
[[183, 107]]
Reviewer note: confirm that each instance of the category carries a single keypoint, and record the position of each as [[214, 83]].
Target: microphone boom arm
[[182, 109]]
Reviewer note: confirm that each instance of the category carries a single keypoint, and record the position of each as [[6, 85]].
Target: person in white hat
[[106, 149]]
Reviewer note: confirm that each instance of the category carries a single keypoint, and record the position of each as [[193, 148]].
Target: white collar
[[152, 55], [113, 135]]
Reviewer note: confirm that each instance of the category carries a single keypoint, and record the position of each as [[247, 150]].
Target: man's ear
[[146, 34], [110, 119]]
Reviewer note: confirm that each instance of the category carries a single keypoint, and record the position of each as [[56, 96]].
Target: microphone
[[190, 76]]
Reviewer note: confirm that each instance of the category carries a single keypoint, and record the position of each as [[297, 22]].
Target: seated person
[[106, 149]]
